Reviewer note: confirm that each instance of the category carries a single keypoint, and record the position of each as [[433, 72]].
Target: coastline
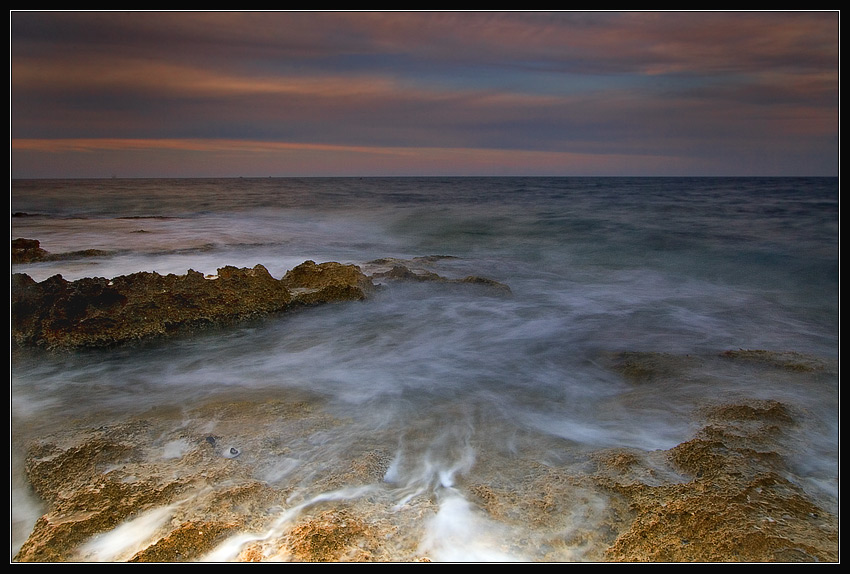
[[202, 485], [282, 475]]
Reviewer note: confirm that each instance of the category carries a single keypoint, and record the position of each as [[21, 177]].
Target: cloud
[[660, 84], [219, 158]]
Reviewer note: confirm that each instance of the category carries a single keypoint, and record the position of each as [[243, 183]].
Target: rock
[[312, 283], [414, 270], [400, 272], [790, 361], [97, 312], [333, 536], [727, 494], [736, 503], [648, 367], [187, 542], [93, 479], [27, 251], [491, 284]]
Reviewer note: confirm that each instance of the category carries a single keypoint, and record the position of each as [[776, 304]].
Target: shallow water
[[596, 265]]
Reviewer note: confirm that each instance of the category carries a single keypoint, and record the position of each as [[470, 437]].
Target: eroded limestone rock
[[97, 312], [30, 251], [417, 270], [311, 283], [27, 250]]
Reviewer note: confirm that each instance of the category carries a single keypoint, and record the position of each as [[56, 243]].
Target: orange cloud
[[652, 84], [293, 158]]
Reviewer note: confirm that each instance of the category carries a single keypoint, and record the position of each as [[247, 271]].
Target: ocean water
[[683, 266]]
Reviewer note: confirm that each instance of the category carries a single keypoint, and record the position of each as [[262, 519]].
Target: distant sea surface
[[685, 266]]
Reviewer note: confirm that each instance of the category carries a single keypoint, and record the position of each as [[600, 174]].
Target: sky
[[312, 93]]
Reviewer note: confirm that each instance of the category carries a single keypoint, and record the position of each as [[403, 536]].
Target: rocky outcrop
[[735, 500], [27, 251], [725, 495], [30, 251], [737, 504], [417, 270], [311, 283], [93, 480], [97, 312]]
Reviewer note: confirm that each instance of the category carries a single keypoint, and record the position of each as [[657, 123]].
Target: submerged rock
[[96, 312], [416, 270], [787, 360]]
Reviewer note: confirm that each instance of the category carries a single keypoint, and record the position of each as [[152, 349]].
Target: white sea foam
[[459, 533], [122, 542], [229, 550]]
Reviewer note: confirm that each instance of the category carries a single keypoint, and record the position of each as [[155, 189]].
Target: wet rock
[[312, 283], [333, 536], [27, 251], [86, 512], [723, 495], [726, 494], [83, 500], [191, 540], [93, 480], [30, 251], [416, 270], [491, 284], [647, 367], [735, 505], [789, 360], [735, 498], [400, 272], [97, 312]]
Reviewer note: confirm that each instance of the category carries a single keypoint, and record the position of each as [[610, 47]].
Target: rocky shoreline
[[725, 495], [100, 312]]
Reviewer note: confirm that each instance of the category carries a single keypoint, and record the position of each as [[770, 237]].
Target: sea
[[443, 378]]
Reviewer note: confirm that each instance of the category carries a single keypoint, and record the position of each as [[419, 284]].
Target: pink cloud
[[94, 156], [580, 84]]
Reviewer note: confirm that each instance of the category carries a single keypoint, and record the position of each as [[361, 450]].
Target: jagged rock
[[312, 283], [732, 511], [98, 312], [736, 503], [400, 272], [726, 494], [30, 251], [27, 251], [91, 480], [187, 542], [389, 269], [333, 536], [95, 312]]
